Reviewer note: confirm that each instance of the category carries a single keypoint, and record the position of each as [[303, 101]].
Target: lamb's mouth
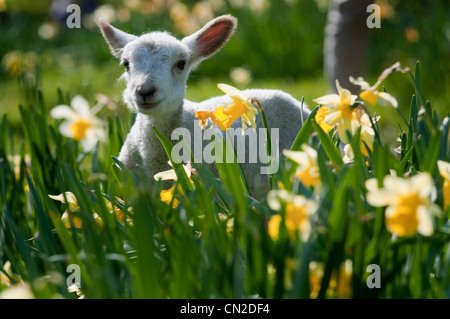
[[148, 106]]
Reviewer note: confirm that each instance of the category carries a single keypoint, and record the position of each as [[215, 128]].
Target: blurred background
[[278, 44]]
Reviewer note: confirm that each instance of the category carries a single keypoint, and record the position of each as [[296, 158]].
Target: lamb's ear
[[211, 38], [115, 38]]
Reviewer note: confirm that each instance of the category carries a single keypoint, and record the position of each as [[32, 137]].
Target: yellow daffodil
[[444, 170], [370, 94], [341, 113], [73, 206], [297, 212], [409, 205], [80, 123], [320, 118], [316, 270], [367, 136], [308, 169], [167, 196], [5, 279], [339, 286], [223, 116]]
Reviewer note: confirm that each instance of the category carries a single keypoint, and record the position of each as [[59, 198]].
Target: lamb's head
[[157, 65]]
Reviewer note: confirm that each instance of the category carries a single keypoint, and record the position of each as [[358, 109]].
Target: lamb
[[157, 66]]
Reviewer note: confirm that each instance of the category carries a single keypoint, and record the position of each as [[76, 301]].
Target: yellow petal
[[79, 129], [203, 117], [444, 170], [168, 195], [232, 92], [320, 118], [369, 96], [274, 226], [401, 220]]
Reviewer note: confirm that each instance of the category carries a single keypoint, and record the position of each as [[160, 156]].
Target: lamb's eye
[[181, 64], [126, 64]]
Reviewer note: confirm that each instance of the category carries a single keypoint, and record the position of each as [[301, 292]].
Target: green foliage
[[216, 243]]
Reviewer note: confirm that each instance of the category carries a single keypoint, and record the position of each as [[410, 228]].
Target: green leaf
[[333, 153], [176, 163], [305, 132]]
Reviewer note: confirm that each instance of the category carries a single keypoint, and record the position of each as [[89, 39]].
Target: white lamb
[[157, 67]]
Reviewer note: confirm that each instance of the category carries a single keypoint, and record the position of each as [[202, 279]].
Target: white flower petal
[[297, 156], [329, 99], [349, 155], [81, 106], [333, 117], [425, 226], [275, 197], [65, 129], [166, 175], [444, 169], [372, 185], [382, 198], [422, 183], [360, 82], [232, 92], [63, 112], [88, 142], [388, 98]]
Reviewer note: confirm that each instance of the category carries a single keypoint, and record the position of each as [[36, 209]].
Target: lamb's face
[[156, 70]]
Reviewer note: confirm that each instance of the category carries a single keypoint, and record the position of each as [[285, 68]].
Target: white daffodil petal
[[397, 185], [381, 198], [166, 175], [388, 98], [232, 91], [444, 169], [312, 153], [65, 129], [275, 197], [71, 199], [333, 117], [425, 226], [349, 156], [81, 106], [297, 156], [89, 142], [305, 230], [329, 99], [360, 82], [63, 112], [372, 185], [342, 129], [422, 183]]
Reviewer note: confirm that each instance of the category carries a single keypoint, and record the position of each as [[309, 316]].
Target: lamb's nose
[[147, 92]]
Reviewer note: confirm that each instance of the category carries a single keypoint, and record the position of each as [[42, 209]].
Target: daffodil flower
[[308, 169], [409, 208], [320, 118], [370, 94], [366, 138], [298, 210], [73, 206], [6, 279], [223, 116], [80, 123], [444, 170], [341, 113], [167, 196]]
